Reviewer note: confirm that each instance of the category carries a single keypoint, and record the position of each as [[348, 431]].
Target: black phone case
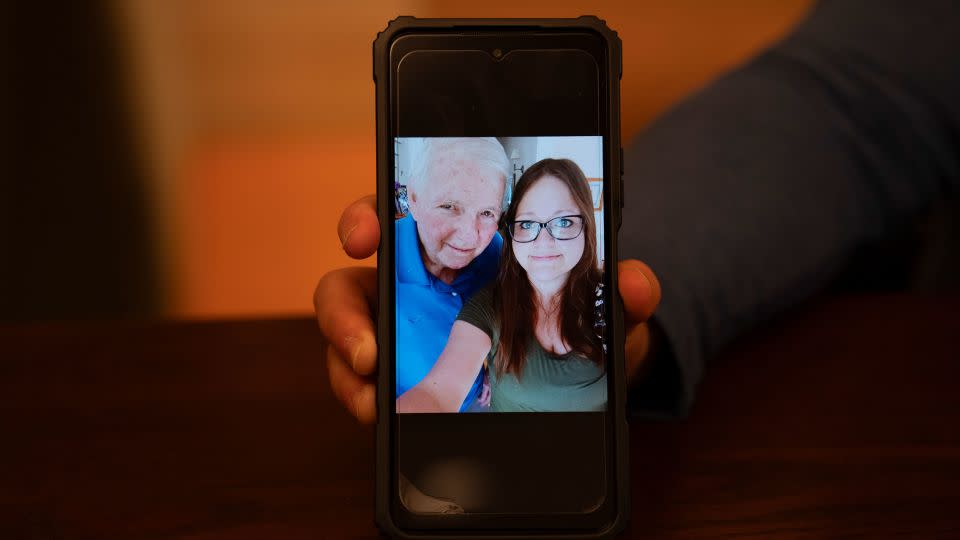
[[384, 461]]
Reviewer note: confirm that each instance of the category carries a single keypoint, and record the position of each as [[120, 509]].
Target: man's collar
[[410, 268]]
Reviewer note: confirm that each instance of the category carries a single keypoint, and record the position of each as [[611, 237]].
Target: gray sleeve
[[757, 191]]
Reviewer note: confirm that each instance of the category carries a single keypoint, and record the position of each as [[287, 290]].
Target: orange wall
[[259, 222], [281, 109]]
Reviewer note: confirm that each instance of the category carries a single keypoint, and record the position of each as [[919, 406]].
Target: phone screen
[[501, 293], [499, 274]]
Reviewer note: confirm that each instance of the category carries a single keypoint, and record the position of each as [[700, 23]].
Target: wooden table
[[842, 419]]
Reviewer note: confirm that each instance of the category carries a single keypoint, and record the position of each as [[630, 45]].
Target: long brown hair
[[513, 294]]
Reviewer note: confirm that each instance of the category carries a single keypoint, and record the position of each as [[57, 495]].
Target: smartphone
[[501, 388]]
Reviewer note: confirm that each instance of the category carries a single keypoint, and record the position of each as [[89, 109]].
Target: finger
[[359, 228], [357, 394], [640, 291], [636, 349], [343, 300]]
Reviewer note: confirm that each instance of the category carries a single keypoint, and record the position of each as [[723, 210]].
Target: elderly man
[[446, 248]]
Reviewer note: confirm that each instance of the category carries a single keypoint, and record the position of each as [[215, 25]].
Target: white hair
[[486, 152]]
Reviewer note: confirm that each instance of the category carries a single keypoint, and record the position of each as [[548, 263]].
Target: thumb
[[640, 291]]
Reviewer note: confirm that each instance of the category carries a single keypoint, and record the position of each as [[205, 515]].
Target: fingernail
[[355, 346], [352, 344], [646, 280], [346, 236], [356, 404]]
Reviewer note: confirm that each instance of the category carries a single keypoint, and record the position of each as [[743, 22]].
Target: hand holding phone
[[342, 300], [504, 198]]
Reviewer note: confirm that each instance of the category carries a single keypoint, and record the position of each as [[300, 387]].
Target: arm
[[756, 192], [446, 385]]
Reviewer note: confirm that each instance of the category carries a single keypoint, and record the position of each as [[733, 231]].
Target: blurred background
[[190, 158]]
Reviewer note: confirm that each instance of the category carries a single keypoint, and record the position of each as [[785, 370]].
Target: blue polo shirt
[[427, 307]]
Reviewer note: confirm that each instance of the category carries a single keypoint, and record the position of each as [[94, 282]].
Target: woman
[[537, 325]]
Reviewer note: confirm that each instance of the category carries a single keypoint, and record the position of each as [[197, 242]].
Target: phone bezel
[[499, 526]]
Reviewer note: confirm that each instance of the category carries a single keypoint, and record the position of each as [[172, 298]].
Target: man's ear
[[412, 202]]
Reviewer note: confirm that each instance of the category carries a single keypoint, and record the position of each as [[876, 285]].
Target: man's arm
[[755, 193], [445, 387]]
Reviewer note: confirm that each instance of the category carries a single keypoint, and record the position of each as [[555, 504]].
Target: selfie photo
[[499, 274]]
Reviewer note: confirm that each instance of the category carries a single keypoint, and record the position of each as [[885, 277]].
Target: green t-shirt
[[549, 382]]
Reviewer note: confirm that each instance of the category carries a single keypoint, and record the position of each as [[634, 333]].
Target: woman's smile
[[539, 258]]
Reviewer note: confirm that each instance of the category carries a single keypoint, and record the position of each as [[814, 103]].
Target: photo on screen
[[499, 258]]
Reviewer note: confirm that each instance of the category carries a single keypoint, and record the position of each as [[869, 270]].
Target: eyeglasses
[[561, 228]]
